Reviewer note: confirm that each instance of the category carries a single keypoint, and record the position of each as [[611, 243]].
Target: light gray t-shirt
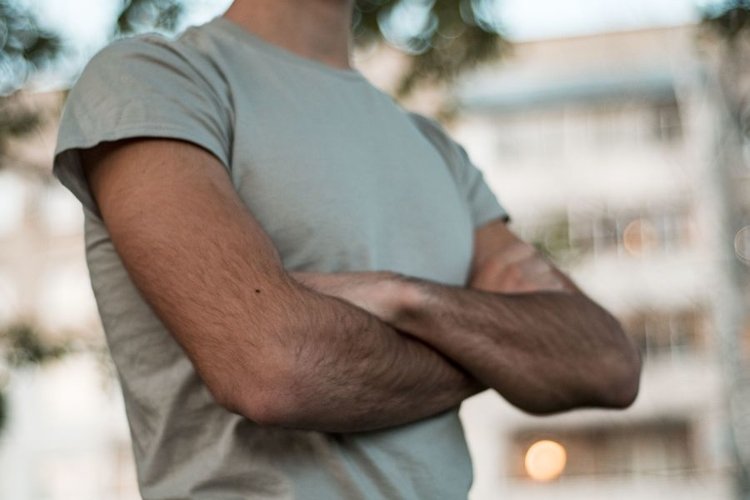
[[343, 179]]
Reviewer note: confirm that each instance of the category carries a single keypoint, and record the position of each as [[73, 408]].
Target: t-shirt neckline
[[242, 34]]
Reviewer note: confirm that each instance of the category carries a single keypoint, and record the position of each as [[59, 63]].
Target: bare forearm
[[352, 372], [521, 327], [264, 345], [543, 351]]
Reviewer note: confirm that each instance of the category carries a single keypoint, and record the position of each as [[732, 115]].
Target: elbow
[[260, 406], [267, 400]]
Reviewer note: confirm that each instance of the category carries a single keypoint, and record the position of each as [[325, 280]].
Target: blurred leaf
[[456, 35], [16, 121], [23, 345], [453, 36], [145, 15], [728, 19], [25, 47], [444, 37], [553, 240]]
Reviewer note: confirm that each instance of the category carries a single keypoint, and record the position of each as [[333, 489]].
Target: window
[[667, 124], [661, 334], [629, 234], [661, 447]]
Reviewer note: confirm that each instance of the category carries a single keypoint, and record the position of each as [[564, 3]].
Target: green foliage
[[445, 37], [553, 240], [143, 15], [16, 120], [23, 345], [456, 35], [20, 118], [452, 36], [25, 46], [729, 19]]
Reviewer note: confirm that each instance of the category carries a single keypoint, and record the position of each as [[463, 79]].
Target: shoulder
[[192, 53], [123, 48], [428, 126], [436, 133], [452, 152], [152, 63], [142, 86], [143, 50]]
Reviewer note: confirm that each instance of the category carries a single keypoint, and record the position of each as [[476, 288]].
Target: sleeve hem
[[500, 213], [69, 171]]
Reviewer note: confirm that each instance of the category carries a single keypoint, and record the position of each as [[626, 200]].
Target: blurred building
[[66, 436], [604, 150]]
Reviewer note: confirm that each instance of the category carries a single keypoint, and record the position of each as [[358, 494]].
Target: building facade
[[603, 149]]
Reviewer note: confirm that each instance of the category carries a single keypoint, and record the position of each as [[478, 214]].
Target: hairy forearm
[[349, 371], [264, 345], [544, 352]]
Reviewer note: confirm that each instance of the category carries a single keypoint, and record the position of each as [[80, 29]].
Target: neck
[[315, 29]]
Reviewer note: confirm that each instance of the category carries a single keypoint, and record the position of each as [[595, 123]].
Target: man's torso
[[341, 180]]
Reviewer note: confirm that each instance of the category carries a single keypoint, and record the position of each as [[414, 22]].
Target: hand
[[520, 269], [381, 293]]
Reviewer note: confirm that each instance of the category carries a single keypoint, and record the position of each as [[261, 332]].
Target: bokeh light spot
[[545, 460], [639, 237]]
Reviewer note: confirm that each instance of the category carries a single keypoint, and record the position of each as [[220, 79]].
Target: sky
[[534, 19], [88, 22], [520, 20]]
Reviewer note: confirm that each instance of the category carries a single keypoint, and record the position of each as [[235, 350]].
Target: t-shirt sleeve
[[482, 203], [140, 87]]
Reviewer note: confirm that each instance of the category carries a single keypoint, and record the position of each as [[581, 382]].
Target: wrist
[[415, 302]]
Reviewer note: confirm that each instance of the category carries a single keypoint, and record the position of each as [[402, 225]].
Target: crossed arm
[[315, 351], [520, 327]]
